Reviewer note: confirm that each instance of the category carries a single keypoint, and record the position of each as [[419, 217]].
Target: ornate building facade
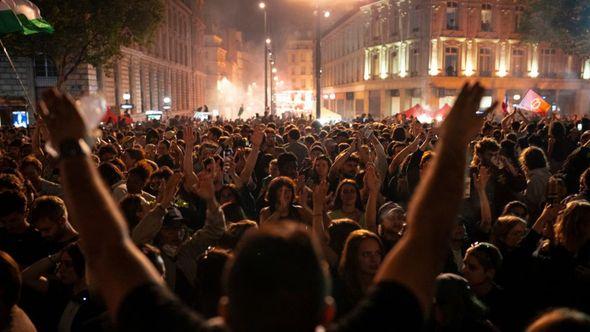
[[389, 55]]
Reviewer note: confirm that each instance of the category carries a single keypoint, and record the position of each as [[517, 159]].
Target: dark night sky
[[285, 15]]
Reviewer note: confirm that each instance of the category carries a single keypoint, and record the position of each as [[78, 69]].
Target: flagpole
[[28, 100]]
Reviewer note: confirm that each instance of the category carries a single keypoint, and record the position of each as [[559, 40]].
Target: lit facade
[[392, 54], [296, 65]]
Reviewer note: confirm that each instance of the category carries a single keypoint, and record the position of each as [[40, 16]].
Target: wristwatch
[[73, 148]]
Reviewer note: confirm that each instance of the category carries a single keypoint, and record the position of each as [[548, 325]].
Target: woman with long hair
[[348, 203], [280, 199], [359, 262]]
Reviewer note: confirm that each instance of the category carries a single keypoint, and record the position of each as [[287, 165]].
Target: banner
[[533, 102]]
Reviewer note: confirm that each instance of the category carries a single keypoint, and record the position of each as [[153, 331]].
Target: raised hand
[[482, 179], [372, 180], [62, 117], [320, 194], [463, 121], [169, 191], [204, 187], [257, 136], [189, 136]]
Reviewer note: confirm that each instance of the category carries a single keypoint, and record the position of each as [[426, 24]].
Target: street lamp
[[262, 6], [327, 14], [274, 70], [167, 103], [126, 96]]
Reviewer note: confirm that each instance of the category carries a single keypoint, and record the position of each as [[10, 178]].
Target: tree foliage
[[90, 31], [565, 24]]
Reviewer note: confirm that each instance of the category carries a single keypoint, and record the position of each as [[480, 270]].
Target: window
[[394, 24], [376, 26], [451, 61], [486, 17], [393, 63], [485, 62], [518, 62], [303, 57], [293, 71], [293, 59], [302, 70], [415, 19], [303, 86], [547, 62], [518, 17], [452, 16], [44, 66], [293, 85], [375, 65], [414, 61]]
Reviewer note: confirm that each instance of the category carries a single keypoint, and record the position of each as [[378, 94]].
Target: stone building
[[389, 55], [297, 61], [170, 67]]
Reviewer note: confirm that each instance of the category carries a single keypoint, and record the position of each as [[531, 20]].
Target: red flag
[[533, 102]]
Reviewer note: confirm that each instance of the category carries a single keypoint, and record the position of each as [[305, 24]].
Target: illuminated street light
[[327, 14], [167, 100], [516, 97], [274, 70], [262, 5], [126, 96], [268, 40]]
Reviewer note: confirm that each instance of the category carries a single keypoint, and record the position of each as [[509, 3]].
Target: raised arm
[[318, 226], [104, 236], [190, 178], [485, 224], [149, 226], [419, 257], [253, 156], [373, 183], [401, 156], [342, 158]]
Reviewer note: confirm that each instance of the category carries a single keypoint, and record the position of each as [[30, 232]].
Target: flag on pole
[[533, 102], [22, 16]]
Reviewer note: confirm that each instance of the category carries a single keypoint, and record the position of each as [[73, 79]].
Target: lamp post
[[167, 103], [267, 41], [318, 58]]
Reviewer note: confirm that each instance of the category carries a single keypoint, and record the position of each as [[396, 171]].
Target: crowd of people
[[479, 223]]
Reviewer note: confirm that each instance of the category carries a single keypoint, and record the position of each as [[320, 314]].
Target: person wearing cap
[[391, 223]]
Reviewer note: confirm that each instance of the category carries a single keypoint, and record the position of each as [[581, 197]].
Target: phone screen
[[579, 127]]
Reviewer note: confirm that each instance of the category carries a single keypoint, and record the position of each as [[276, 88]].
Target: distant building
[[389, 55], [228, 68], [297, 61], [171, 67]]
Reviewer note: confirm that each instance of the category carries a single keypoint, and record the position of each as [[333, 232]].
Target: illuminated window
[[451, 61], [375, 65], [393, 62], [485, 62], [547, 62], [486, 17], [452, 16], [518, 62]]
